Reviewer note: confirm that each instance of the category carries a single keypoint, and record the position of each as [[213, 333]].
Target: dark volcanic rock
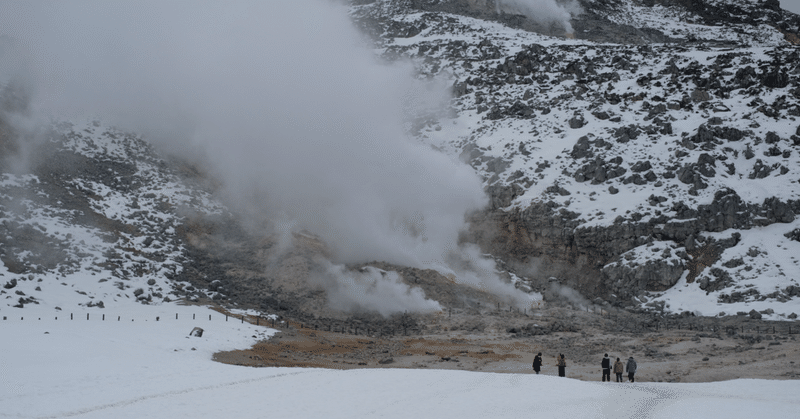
[[626, 281]]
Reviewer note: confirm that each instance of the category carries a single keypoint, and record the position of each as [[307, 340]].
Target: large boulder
[[626, 280]]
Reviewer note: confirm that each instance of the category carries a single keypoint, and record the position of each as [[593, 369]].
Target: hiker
[[619, 369], [562, 366], [606, 364], [537, 362], [631, 368]]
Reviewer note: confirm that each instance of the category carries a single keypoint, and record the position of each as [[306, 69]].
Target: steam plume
[[371, 290], [543, 11], [292, 111]]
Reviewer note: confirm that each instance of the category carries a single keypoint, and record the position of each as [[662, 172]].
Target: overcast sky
[[791, 5]]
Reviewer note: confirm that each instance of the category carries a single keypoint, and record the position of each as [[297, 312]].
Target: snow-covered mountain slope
[[97, 211], [643, 152], [662, 175]]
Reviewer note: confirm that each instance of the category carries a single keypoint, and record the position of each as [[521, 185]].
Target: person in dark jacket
[[631, 368], [619, 368], [606, 365], [562, 366], [537, 362]]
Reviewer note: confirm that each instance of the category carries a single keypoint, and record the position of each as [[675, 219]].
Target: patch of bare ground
[[721, 352]]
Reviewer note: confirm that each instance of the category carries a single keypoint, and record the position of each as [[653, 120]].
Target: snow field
[[143, 368]]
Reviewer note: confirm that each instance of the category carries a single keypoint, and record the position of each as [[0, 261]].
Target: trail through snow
[[137, 367]]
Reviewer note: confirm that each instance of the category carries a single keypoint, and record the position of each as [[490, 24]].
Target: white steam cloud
[[543, 11], [293, 112], [473, 268], [372, 290]]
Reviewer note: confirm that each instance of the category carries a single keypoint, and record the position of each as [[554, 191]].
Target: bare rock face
[[625, 280], [593, 260]]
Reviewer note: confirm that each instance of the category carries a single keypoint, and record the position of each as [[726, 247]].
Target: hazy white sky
[[791, 5]]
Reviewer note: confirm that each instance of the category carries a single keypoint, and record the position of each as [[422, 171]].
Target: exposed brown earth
[[719, 352]]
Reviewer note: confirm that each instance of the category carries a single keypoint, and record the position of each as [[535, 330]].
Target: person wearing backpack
[[606, 365], [631, 368], [619, 368], [562, 366], [537, 362]]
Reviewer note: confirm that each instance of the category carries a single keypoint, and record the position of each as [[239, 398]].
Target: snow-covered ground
[[138, 367]]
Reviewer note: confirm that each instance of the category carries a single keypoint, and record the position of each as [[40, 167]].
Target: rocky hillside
[[649, 158], [644, 153]]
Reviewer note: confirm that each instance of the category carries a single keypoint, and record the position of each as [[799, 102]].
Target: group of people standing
[[561, 363], [630, 367], [618, 367]]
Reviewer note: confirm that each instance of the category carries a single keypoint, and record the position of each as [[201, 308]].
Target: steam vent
[[408, 183]]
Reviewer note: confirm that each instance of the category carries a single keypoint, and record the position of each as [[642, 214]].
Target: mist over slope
[[300, 125], [648, 162], [643, 153], [304, 133]]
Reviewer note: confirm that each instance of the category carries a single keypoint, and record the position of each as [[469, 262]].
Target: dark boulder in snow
[[557, 190], [775, 78], [641, 166], [699, 95], [577, 122], [772, 138], [793, 235], [582, 148], [760, 170], [625, 134]]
